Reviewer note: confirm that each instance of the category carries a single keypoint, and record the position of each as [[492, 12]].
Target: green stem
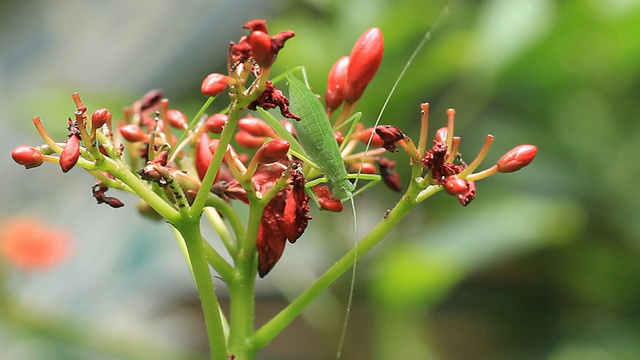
[[242, 289], [190, 230], [272, 328]]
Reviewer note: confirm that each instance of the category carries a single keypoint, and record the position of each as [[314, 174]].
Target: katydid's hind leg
[[372, 179]]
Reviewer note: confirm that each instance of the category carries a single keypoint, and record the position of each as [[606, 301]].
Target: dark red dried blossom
[[272, 98], [435, 161], [99, 191], [28, 156], [468, 196], [390, 135], [389, 175]]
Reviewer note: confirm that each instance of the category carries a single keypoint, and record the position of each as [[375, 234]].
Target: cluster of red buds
[[175, 158]]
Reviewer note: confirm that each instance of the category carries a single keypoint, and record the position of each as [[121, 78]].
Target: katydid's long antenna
[[424, 40]]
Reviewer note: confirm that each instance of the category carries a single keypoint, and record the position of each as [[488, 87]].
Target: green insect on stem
[[315, 134]]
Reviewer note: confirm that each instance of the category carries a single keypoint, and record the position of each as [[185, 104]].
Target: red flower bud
[[177, 119], [335, 83], [132, 133], [261, 49], [70, 154], [326, 200], [366, 57], [441, 134], [389, 175], [216, 123], [272, 151], [249, 141], [99, 118], [453, 185], [365, 168], [203, 155], [28, 156], [376, 141], [517, 158], [214, 84], [390, 135], [256, 127], [338, 136]]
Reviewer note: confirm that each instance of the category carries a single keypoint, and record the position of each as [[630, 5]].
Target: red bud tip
[[376, 141], [99, 118], [326, 200], [272, 151], [249, 141], [256, 25], [389, 175], [334, 95], [365, 168], [441, 134], [255, 127], [453, 185], [517, 158], [28, 156], [390, 135], [203, 155], [216, 123], [366, 57], [70, 154], [177, 119], [338, 136], [132, 133], [261, 48], [214, 84]]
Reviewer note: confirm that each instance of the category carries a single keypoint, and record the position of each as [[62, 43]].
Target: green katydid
[[316, 144]]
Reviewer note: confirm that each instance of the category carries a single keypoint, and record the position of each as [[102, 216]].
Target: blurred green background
[[542, 265]]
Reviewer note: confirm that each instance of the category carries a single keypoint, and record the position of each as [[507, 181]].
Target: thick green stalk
[[242, 289], [190, 230], [272, 328]]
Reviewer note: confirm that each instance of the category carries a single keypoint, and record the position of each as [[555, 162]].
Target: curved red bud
[[334, 95], [376, 141], [28, 156], [216, 123], [256, 127], [326, 200], [132, 133], [517, 158], [272, 151], [214, 84], [366, 57], [454, 185], [177, 119], [441, 134], [70, 154], [99, 118], [261, 48], [390, 135], [249, 141], [203, 155]]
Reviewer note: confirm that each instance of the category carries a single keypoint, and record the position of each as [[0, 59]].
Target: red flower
[[30, 244]]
